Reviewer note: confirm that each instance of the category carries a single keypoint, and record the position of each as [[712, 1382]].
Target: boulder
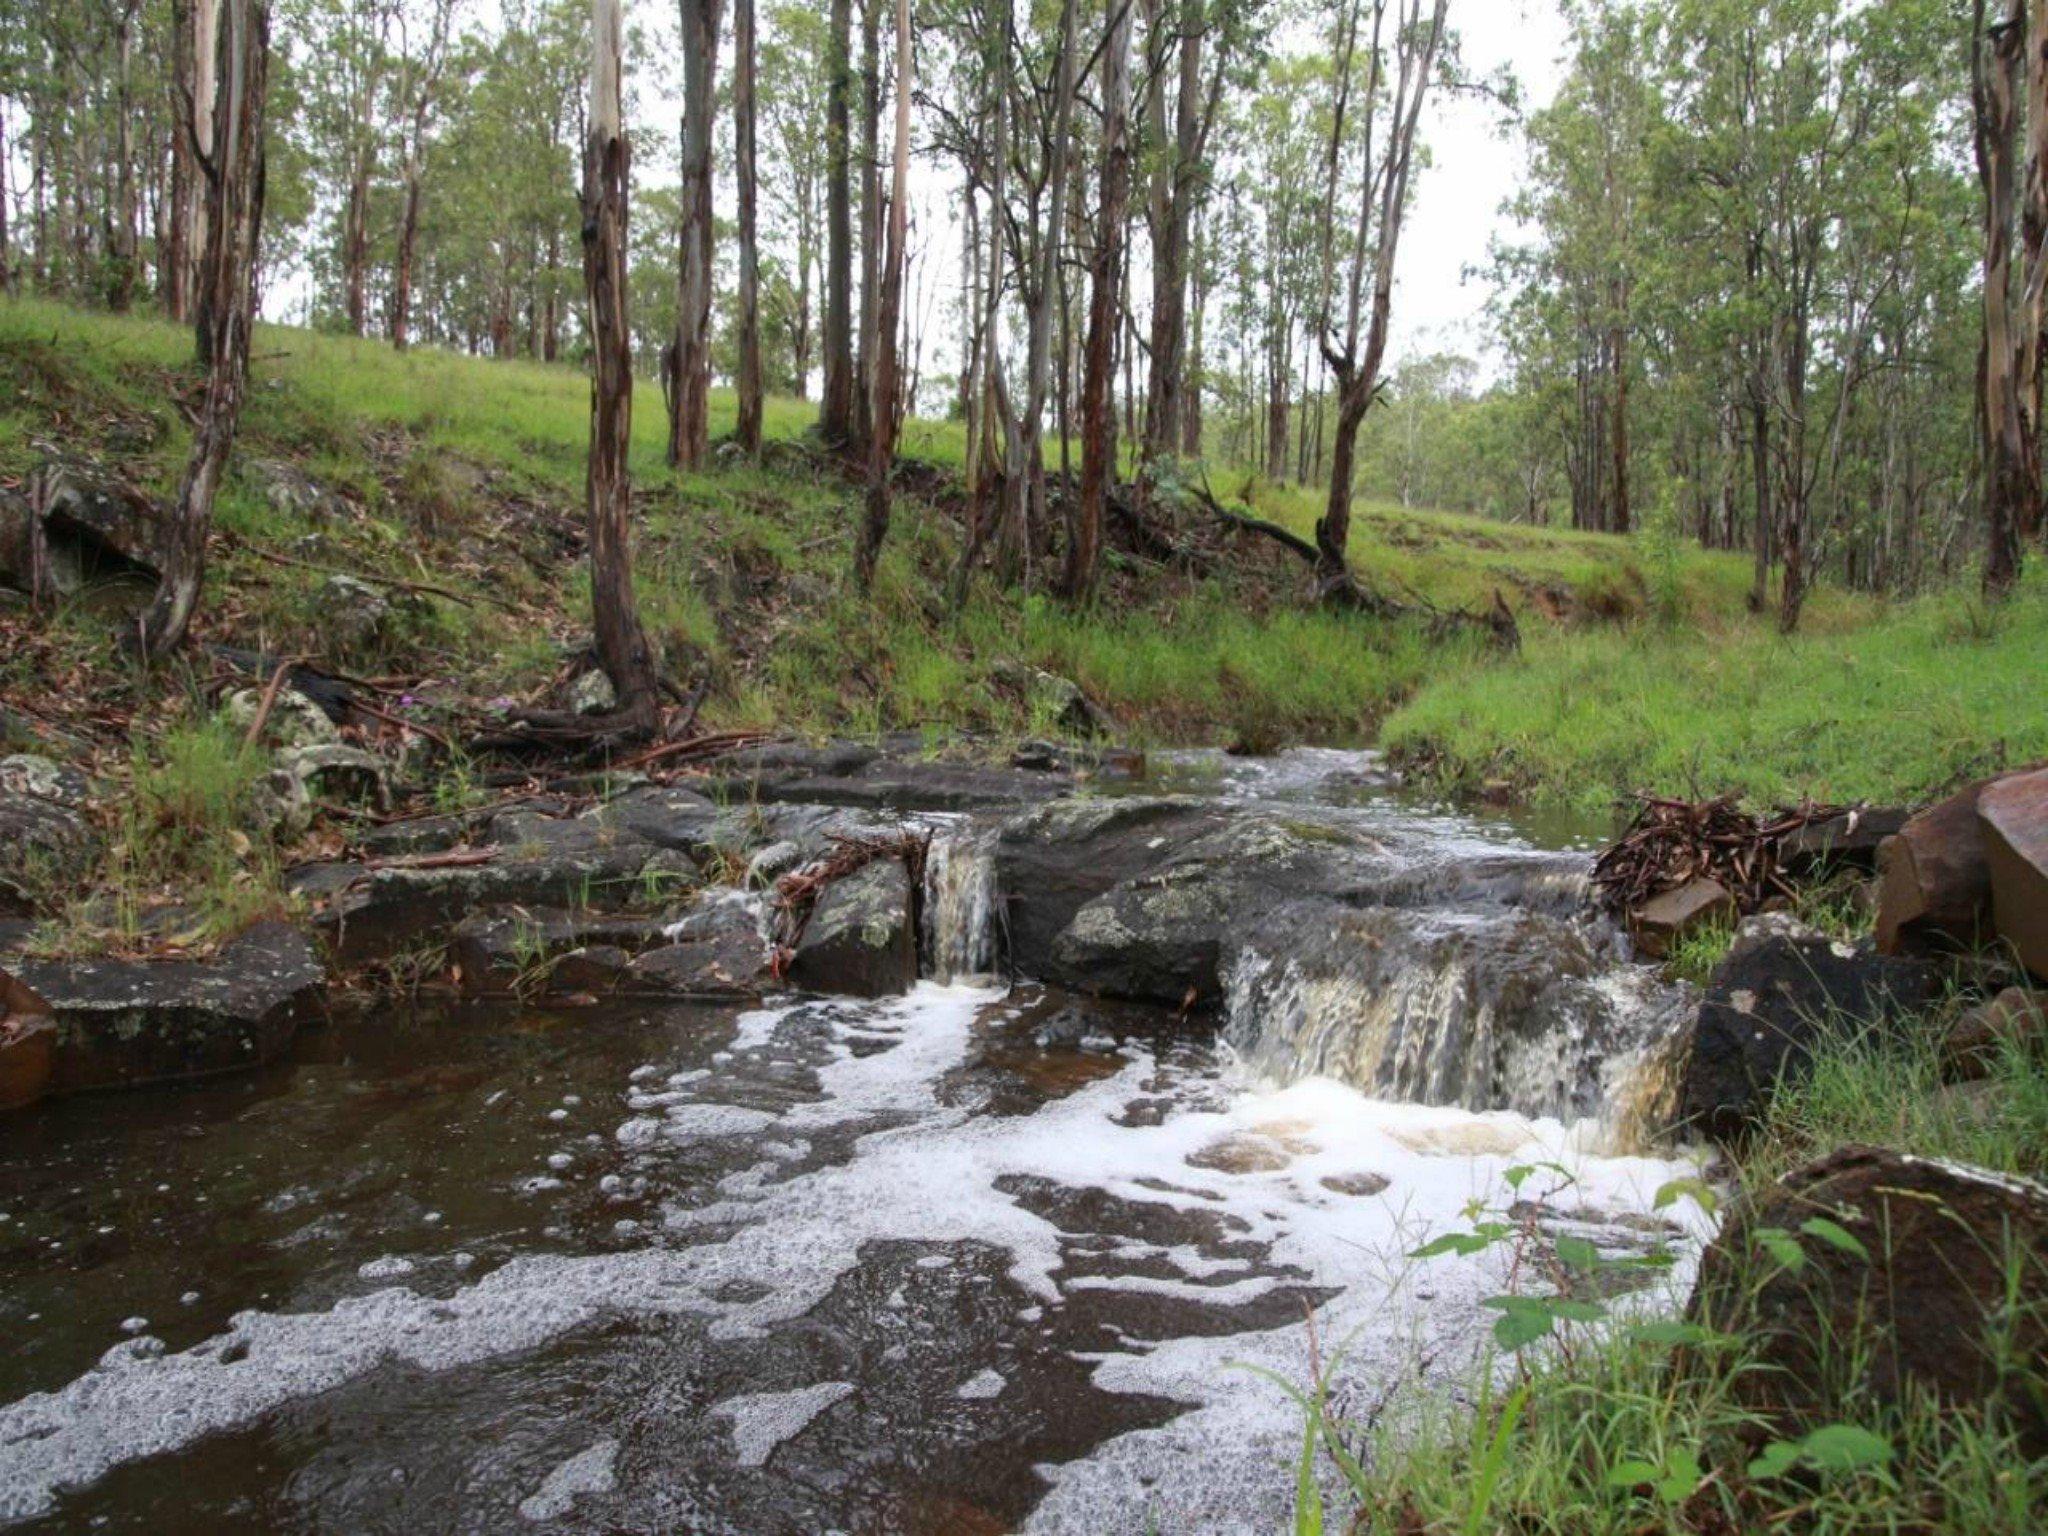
[[1974, 1042], [27, 1040], [1849, 840], [2013, 813], [352, 612], [592, 694], [1781, 987], [294, 720], [124, 1022], [1053, 861], [716, 954], [1058, 701], [1920, 1299], [94, 528], [860, 940], [1159, 935], [1934, 886], [46, 844], [1662, 921]]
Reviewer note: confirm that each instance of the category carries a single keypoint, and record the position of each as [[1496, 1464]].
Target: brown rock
[[27, 1036], [1925, 1305], [1659, 923], [1848, 841], [2013, 813], [1973, 1044], [1934, 887]]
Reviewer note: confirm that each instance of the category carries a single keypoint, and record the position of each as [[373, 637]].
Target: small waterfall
[[1486, 1008], [960, 903]]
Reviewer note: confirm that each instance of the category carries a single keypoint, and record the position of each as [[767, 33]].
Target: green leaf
[[1781, 1246], [1577, 1253], [1521, 1323], [1698, 1191], [1674, 1335], [1308, 1497], [1778, 1458], [1452, 1242], [1519, 1175], [1631, 1474], [1835, 1236], [1845, 1448]]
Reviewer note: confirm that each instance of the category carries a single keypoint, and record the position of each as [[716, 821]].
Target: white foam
[[763, 1420], [588, 1471], [982, 1386]]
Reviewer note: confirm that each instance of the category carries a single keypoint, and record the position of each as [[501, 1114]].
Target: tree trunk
[[882, 429], [2012, 488], [205, 99], [233, 171], [748, 427], [871, 252], [122, 241], [1098, 415], [1172, 193], [622, 648], [689, 422], [408, 247], [835, 416]]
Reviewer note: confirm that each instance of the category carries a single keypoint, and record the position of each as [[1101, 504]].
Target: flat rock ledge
[[121, 1023]]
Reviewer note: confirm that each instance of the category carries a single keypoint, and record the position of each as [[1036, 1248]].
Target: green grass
[[1937, 692], [465, 472]]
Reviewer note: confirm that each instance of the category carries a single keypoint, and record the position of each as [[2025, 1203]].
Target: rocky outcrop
[[1781, 987], [373, 911], [861, 939], [2013, 815], [523, 950], [1057, 701], [716, 954], [46, 844], [94, 528], [1908, 1287], [125, 1022], [855, 775], [1848, 840]]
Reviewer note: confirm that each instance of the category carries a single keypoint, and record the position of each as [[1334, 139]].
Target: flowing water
[[978, 1259]]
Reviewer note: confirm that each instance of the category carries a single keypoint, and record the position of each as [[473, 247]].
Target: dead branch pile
[[1671, 843], [797, 893]]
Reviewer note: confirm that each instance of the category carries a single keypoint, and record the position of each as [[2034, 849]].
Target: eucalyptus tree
[[231, 167], [1398, 44], [688, 370]]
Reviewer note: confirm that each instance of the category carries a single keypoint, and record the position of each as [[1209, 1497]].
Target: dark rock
[[1058, 700], [860, 939], [293, 492], [438, 834], [353, 613], [1847, 841], [716, 955], [1926, 1307], [1662, 921], [95, 528], [1160, 935], [2013, 813], [2014, 1016], [1934, 887], [525, 948], [1781, 987], [541, 861], [913, 786], [793, 760], [1052, 862], [123, 1022], [305, 778]]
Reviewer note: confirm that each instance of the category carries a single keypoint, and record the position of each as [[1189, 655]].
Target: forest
[[962, 766]]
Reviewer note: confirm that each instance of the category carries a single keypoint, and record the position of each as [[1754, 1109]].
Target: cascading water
[[960, 903], [1487, 1007]]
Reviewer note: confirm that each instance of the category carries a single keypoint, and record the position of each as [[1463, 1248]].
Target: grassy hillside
[[1642, 667]]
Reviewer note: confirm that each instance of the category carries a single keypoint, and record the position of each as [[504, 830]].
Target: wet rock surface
[[48, 843], [861, 939], [120, 1023], [1781, 987], [1924, 1306]]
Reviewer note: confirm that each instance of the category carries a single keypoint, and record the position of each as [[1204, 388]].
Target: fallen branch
[[797, 893], [1671, 843], [426, 588]]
